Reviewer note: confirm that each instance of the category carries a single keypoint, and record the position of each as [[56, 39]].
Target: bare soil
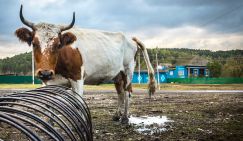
[[200, 116], [197, 116]]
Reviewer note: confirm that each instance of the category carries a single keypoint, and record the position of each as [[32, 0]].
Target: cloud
[[129, 15], [193, 38], [42, 3], [177, 23], [9, 49]]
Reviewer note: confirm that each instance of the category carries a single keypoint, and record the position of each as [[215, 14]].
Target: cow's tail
[[152, 82]]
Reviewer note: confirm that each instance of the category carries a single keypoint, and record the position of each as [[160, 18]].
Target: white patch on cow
[[46, 33], [104, 53], [77, 86], [82, 72], [129, 71], [80, 84]]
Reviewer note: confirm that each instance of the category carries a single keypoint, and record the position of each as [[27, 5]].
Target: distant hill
[[186, 56], [16, 65], [230, 60]]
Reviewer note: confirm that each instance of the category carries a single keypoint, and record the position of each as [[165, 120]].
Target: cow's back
[[104, 53]]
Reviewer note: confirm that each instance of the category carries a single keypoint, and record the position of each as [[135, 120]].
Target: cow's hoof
[[116, 118], [124, 120]]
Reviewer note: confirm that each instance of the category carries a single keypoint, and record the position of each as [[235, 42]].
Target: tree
[[233, 68], [215, 69]]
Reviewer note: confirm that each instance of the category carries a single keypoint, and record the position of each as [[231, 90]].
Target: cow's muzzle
[[45, 74]]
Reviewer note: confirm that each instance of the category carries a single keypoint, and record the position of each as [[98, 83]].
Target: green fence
[[18, 80], [206, 80], [28, 80]]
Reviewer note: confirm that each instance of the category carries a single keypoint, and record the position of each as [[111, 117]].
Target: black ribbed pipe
[[32, 110]]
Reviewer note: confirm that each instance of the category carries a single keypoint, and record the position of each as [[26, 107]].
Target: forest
[[17, 65], [220, 63]]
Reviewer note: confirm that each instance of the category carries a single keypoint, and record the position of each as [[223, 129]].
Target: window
[[206, 72], [181, 72], [195, 72], [171, 73]]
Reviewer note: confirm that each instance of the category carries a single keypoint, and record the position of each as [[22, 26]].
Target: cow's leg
[[128, 90], [127, 93], [78, 85], [119, 84]]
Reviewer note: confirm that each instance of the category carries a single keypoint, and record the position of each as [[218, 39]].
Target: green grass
[[194, 86], [19, 86], [140, 86]]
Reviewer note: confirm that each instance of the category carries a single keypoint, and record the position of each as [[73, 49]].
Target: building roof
[[197, 61]]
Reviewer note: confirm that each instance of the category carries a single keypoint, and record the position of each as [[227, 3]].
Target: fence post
[[157, 67], [33, 67]]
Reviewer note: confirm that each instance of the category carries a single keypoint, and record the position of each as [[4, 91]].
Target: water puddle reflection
[[150, 125]]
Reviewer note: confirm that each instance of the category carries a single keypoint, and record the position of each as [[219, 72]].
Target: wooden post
[[157, 68], [139, 75], [33, 67], [188, 73]]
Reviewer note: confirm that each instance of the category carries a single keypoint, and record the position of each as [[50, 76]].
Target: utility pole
[[158, 78], [33, 67], [139, 75]]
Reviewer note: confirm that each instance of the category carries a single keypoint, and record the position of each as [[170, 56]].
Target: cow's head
[[46, 39]]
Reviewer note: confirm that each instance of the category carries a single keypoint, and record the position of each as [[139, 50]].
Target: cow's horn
[[24, 21], [69, 26]]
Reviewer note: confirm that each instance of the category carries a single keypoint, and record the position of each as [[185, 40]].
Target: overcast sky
[[195, 24]]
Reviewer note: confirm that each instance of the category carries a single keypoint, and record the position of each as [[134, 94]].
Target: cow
[[68, 55]]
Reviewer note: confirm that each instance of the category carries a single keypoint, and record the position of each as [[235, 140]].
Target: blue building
[[187, 71], [165, 73], [144, 77]]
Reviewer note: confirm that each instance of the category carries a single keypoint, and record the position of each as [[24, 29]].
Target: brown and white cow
[[67, 55]]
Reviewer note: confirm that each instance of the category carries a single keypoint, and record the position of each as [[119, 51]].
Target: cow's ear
[[68, 38], [24, 35]]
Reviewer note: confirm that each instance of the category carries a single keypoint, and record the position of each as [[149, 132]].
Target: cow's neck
[[69, 63]]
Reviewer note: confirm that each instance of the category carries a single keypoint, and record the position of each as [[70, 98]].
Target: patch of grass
[[140, 86], [100, 87], [193, 86], [19, 86]]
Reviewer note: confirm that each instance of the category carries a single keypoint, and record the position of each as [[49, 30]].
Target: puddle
[[150, 125]]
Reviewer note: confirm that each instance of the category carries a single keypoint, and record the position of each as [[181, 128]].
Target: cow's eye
[[34, 45], [59, 46], [57, 43]]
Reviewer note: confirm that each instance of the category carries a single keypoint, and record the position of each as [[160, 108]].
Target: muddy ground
[[196, 116]]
